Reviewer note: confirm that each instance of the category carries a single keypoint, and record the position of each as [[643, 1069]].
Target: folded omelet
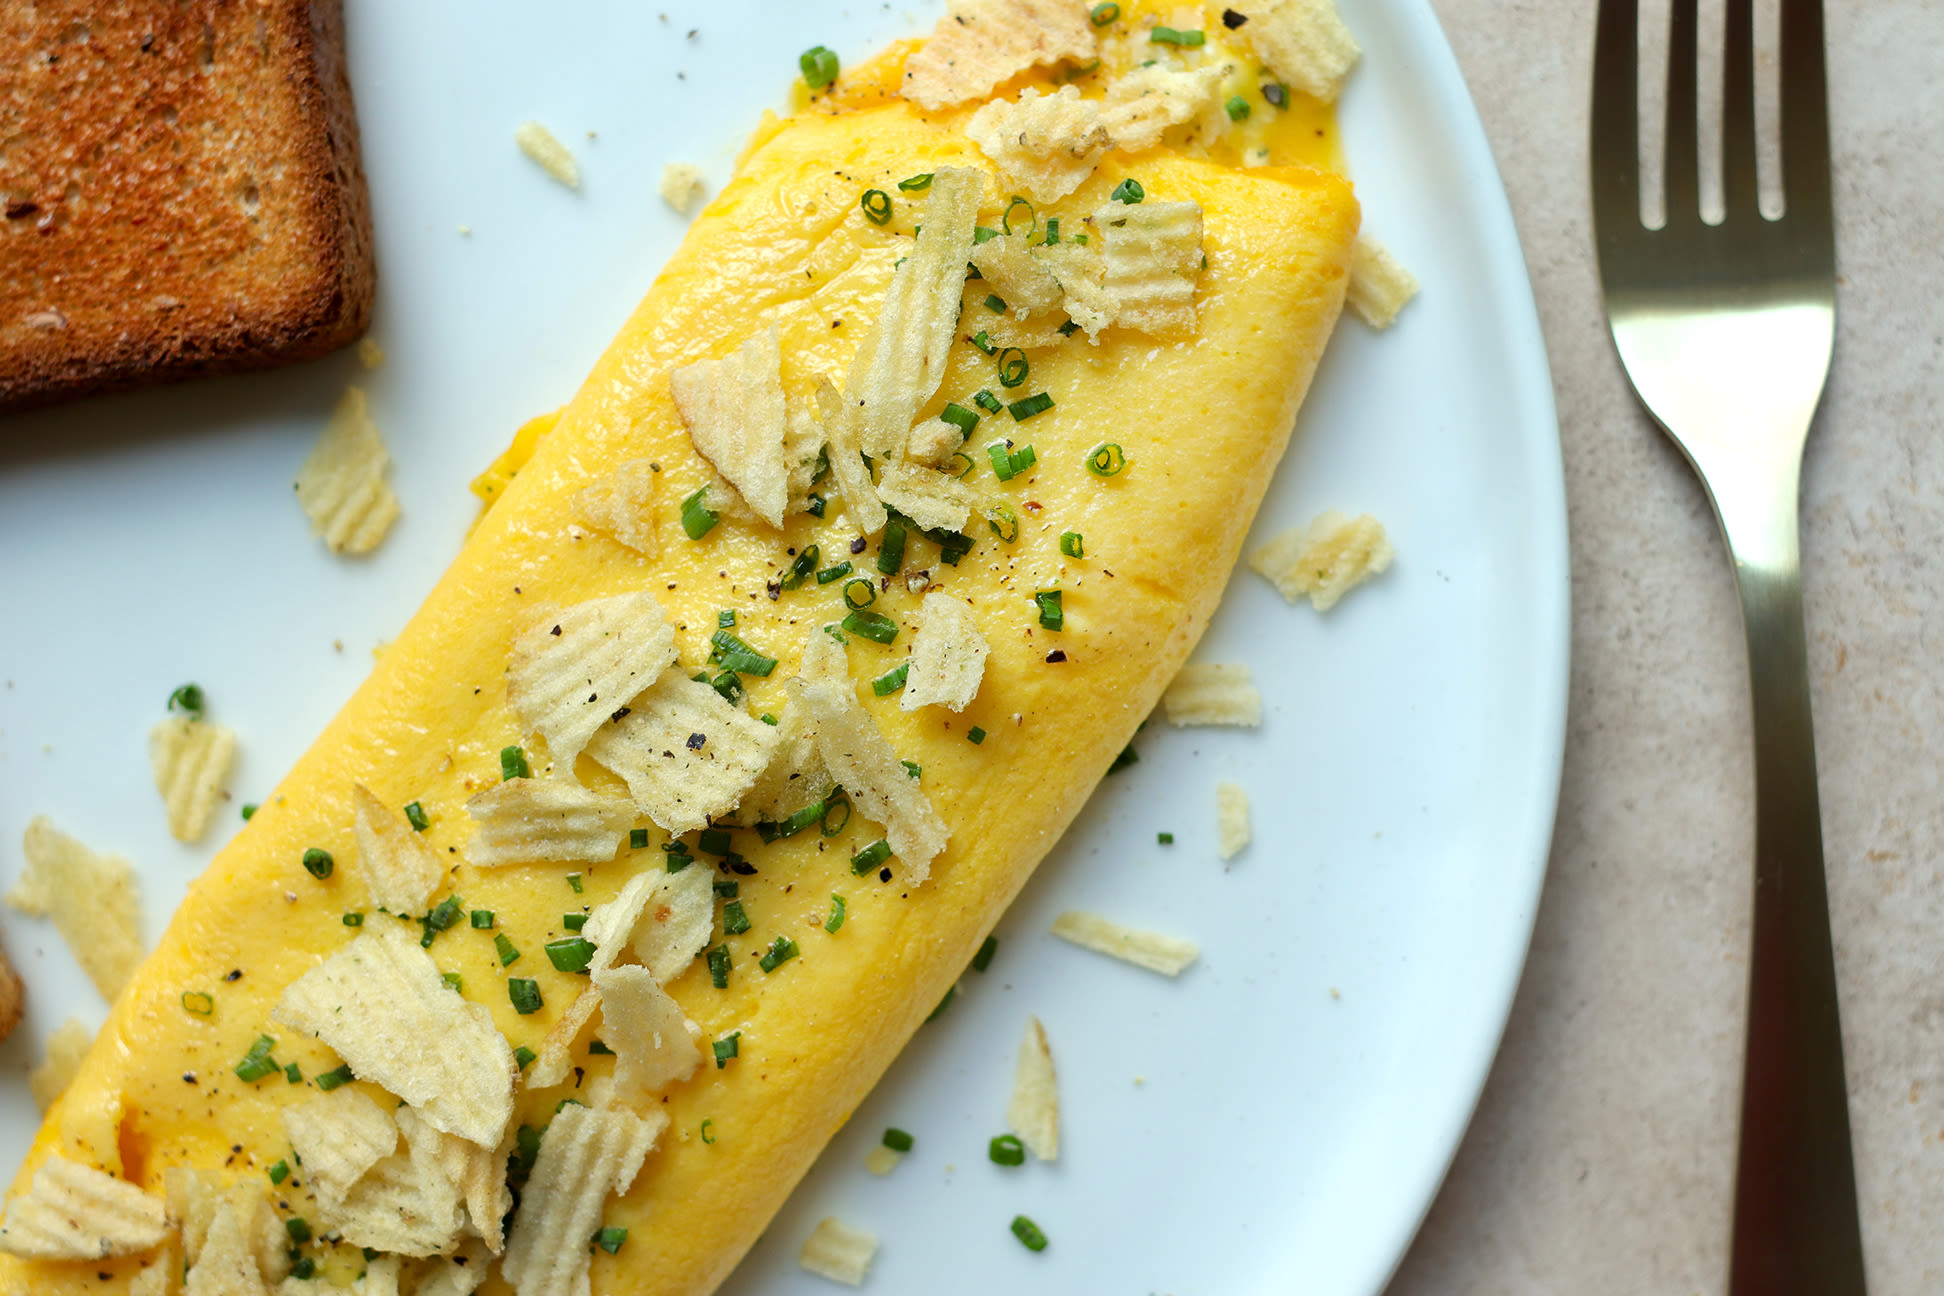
[[673, 887]]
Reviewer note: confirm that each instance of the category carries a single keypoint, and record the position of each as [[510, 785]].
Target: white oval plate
[[1278, 1118]]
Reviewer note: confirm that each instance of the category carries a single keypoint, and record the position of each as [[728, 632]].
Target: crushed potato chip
[[803, 442], [400, 870], [407, 1203], [1231, 819], [575, 669], [1303, 42], [382, 1277], [902, 360], [847, 468], [90, 897], [836, 1251], [1379, 283], [370, 354], [796, 776], [1325, 560], [934, 500], [981, 43], [552, 820], [685, 753], [1151, 950], [454, 1275], [250, 1246], [1141, 106], [225, 1263], [480, 1173], [654, 1045], [75, 1212], [882, 1160], [681, 185], [158, 1276], [342, 486], [948, 655], [735, 413], [381, 1004], [338, 1136], [1015, 274], [540, 146], [1034, 1112], [934, 442], [621, 506], [191, 760], [66, 1047], [585, 1155], [1213, 693], [1084, 297], [1151, 257], [860, 759], [1048, 144]]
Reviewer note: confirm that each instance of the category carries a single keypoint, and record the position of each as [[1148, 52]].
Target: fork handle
[[1796, 1231]]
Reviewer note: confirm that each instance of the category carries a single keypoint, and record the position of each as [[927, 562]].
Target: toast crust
[[183, 193]]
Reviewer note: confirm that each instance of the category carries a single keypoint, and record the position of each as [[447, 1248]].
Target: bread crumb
[[539, 144], [681, 185]]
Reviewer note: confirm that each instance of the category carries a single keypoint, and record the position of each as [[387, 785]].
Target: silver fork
[[1725, 331]]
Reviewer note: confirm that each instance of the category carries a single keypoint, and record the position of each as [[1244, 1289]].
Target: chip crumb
[[1231, 819], [681, 185], [539, 144], [948, 655], [881, 1160], [370, 354], [1325, 560], [1379, 284], [66, 1047], [91, 898], [342, 486], [1034, 1112], [836, 1251], [1303, 42], [1168, 955], [1213, 693], [75, 1212], [979, 44]]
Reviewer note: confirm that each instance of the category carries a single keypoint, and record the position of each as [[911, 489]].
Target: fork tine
[[1739, 188], [1616, 117], [1805, 112], [1683, 166]]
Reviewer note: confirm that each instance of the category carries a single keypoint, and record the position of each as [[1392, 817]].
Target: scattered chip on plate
[[1034, 1112], [981, 43], [190, 758], [577, 668], [1231, 819], [836, 1251], [948, 655], [546, 820], [66, 1047], [882, 1160], [90, 897], [539, 144], [584, 1156], [1213, 693], [370, 354], [1325, 560], [75, 1212], [1151, 950], [400, 870], [1379, 283], [1304, 42], [681, 185], [342, 486]]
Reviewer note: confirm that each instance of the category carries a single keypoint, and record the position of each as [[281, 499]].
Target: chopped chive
[[875, 626], [943, 1004], [513, 764], [1170, 36], [1021, 410], [726, 619], [913, 769], [415, 815], [1104, 13], [257, 1063], [891, 681], [735, 919], [819, 66], [837, 910], [1127, 757], [189, 697], [796, 823], [338, 1075], [980, 234], [1073, 544], [732, 654], [199, 1002], [294, 1074], [877, 206], [298, 1228], [1007, 1150], [482, 919], [977, 735], [727, 888], [303, 1267], [1128, 191], [1052, 232], [507, 951], [1081, 239], [455, 981], [830, 574], [837, 813], [815, 508], [637, 839], [571, 953], [525, 994], [781, 951], [1003, 521], [915, 184], [1051, 615], [986, 401], [1005, 217], [708, 1131], [697, 519], [959, 417], [1012, 367], [523, 1057], [897, 1140], [446, 915], [995, 303], [574, 881], [729, 685], [318, 863], [983, 959], [573, 921], [354, 919], [526, 1143], [610, 1239], [768, 719], [726, 1048], [891, 550], [1166, 838], [952, 545], [1238, 108], [719, 967], [249, 811], [1106, 460], [714, 841], [279, 1172], [1008, 463], [1028, 1233], [871, 857]]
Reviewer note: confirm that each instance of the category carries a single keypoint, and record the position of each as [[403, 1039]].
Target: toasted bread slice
[[182, 193]]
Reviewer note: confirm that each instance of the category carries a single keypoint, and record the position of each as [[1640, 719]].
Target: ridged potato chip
[[1213, 693], [75, 1212], [1084, 297], [550, 820], [158, 1276], [338, 1137], [225, 1264], [342, 486], [91, 899], [1379, 283], [66, 1047], [654, 1045], [685, 753], [948, 655], [1034, 1112], [1168, 955], [1325, 560], [382, 1276], [934, 442], [803, 441], [1141, 106], [381, 1004], [836, 1251], [191, 760], [584, 1156], [576, 669], [981, 43], [795, 776], [621, 506], [1231, 819], [1303, 42], [1047, 143], [455, 1275], [407, 1203], [540, 146], [1009, 269], [400, 870], [733, 409], [859, 758], [854, 485], [934, 500], [1151, 257]]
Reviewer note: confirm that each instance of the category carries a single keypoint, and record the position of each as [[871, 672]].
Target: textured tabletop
[[1602, 1156]]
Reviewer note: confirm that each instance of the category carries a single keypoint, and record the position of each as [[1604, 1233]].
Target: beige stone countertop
[[1601, 1159]]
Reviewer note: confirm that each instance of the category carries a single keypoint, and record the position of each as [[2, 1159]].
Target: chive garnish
[[298, 1228], [574, 881], [890, 555], [995, 303], [1127, 757], [454, 980], [1051, 615], [860, 593], [960, 417], [815, 507], [1003, 521], [1073, 544], [1008, 463], [877, 206], [891, 681], [338, 1075], [1052, 232], [415, 815], [977, 735], [482, 919], [1106, 460], [1104, 13], [1007, 1150], [508, 952], [915, 184], [1006, 217], [1170, 36], [708, 1131], [719, 967], [871, 857], [732, 654], [249, 811], [257, 1063], [897, 1140], [781, 951], [980, 234], [727, 888], [726, 619], [1012, 367], [735, 919], [714, 841], [571, 953], [610, 1239], [1238, 108], [513, 764], [819, 66], [1128, 191], [1021, 410], [354, 919], [525, 994], [573, 921], [912, 769], [637, 839], [189, 697], [983, 342], [446, 915], [837, 910], [875, 626], [983, 959], [830, 574], [199, 1002], [1028, 1233], [986, 401], [837, 813], [279, 1172], [303, 1268], [726, 1048], [318, 863], [697, 520]]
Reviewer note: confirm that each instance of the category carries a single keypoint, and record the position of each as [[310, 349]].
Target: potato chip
[[836, 1251], [400, 870], [795, 776], [1151, 258], [341, 486], [381, 1276], [539, 144], [484, 1189], [1151, 950], [733, 409], [585, 1155], [847, 468], [75, 1212], [370, 354], [1033, 333], [1011, 271], [338, 1136], [981, 43], [550, 820], [934, 442], [407, 1203], [158, 1276], [191, 761], [654, 1044], [1213, 693], [225, 1263], [803, 443], [196, 1197], [1034, 1112], [934, 500], [66, 1047], [1325, 560], [1084, 297], [948, 655], [685, 753], [1048, 144], [191, 1196], [455, 1275], [902, 360], [621, 506], [1141, 106], [575, 669], [860, 759], [681, 185], [882, 1160], [381, 1004], [1303, 42], [1379, 283], [91, 899], [1231, 819]]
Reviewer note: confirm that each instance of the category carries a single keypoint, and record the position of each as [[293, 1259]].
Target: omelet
[[615, 884]]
